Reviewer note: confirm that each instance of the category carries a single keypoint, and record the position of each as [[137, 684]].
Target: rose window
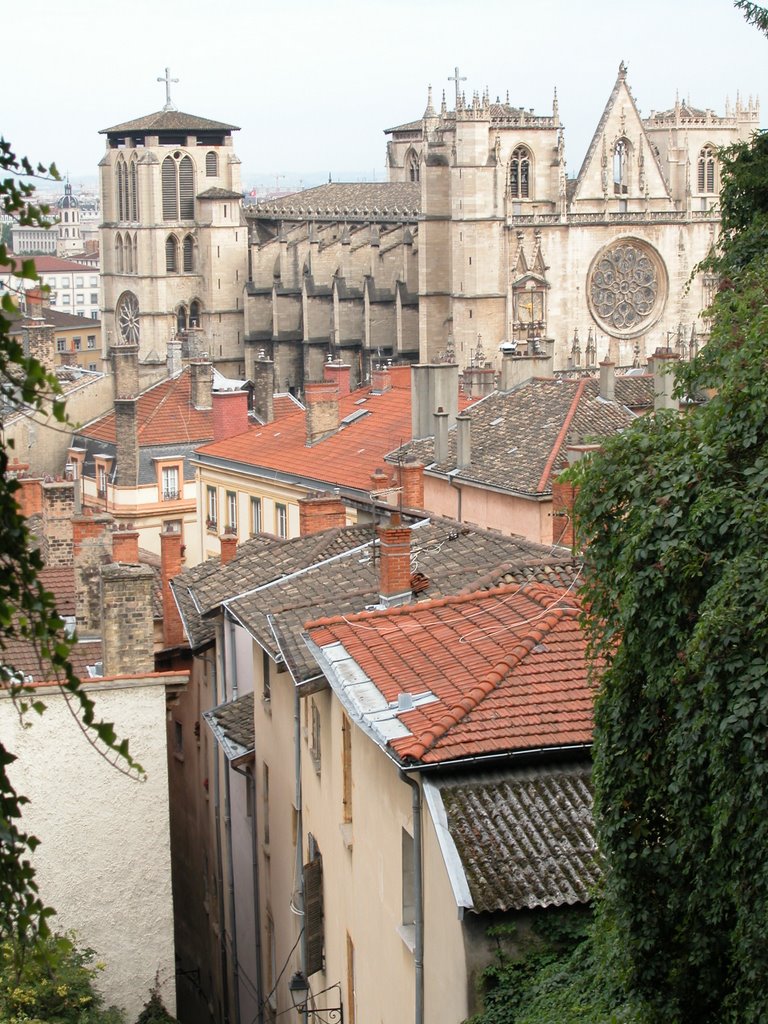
[[128, 317], [627, 287]]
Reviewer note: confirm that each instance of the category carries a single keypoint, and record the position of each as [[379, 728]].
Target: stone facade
[[127, 626], [173, 240], [513, 252]]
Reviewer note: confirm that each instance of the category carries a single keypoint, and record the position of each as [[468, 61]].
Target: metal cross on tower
[[167, 79], [456, 77]]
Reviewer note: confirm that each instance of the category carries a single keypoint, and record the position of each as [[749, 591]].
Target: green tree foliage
[[674, 518], [27, 610], [52, 982]]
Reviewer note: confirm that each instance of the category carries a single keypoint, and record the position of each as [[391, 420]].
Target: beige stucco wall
[[104, 858], [42, 441], [490, 509]]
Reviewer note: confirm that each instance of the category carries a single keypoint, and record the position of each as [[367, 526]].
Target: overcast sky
[[312, 84]]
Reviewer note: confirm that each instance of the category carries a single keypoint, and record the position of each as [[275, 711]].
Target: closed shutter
[[170, 194], [211, 165], [313, 914], [189, 254], [171, 254], [134, 194], [186, 189]]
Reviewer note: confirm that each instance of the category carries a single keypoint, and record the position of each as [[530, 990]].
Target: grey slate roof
[[232, 724], [525, 838], [453, 557], [219, 193], [170, 121], [345, 201], [201, 589], [519, 437]]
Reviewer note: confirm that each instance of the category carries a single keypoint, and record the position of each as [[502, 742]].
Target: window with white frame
[[91, 341], [61, 344], [212, 508], [232, 511], [281, 519], [170, 483], [101, 480], [256, 520]]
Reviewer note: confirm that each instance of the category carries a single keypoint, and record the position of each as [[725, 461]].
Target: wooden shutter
[[313, 914]]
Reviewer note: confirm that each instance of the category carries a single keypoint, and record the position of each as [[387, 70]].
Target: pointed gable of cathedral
[[621, 162]]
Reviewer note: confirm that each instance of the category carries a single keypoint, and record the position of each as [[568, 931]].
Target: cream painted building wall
[[104, 857]]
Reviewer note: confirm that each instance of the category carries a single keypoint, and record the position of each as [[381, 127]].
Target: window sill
[[179, 756], [407, 933], [345, 828]]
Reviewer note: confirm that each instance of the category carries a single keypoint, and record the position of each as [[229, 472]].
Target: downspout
[[418, 895], [250, 781], [232, 652], [224, 967]]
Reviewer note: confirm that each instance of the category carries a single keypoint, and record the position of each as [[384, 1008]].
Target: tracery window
[[127, 314], [211, 165], [412, 169], [119, 266], [171, 254], [520, 173], [194, 314], [627, 287], [178, 187], [188, 254], [706, 176], [621, 153], [134, 191]]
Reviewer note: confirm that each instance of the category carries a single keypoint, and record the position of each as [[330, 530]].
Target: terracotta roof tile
[[165, 416], [507, 667]]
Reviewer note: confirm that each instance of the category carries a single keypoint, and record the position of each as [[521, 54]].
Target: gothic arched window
[[181, 318], [706, 176], [178, 186], [121, 176], [621, 152], [412, 169], [194, 313], [134, 192], [119, 266], [188, 254], [211, 164], [171, 254], [520, 173]]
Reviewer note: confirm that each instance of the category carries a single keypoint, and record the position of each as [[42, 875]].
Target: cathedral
[[477, 244]]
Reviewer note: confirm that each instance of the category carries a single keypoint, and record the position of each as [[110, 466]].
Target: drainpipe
[[232, 652], [250, 781], [224, 967], [418, 893]]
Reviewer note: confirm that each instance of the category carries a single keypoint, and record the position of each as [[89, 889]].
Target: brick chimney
[[563, 495], [125, 369], [58, 509], [412, 483], [321, 399], [394, 562], [29, 493], [201, 383], [228, 543], [339, 373], [608, 380], [171, 558], [264, 387], [381, 381], [91, 535], [319, 511], [127, 627], [230, 414], [125, 547]]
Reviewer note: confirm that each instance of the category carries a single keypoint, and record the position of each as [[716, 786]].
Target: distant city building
[[68, 238]]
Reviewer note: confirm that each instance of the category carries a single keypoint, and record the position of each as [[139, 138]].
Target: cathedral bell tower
[[173, 237]]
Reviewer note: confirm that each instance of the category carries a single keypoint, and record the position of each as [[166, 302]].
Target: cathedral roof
[[170, 121], [384, 199]]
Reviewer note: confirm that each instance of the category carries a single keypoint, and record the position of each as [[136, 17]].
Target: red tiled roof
[[165, 416], [508, 668], [284, 405], [55, 265], [60, 581], [347, 457]]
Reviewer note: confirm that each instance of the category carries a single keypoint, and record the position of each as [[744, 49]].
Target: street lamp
[[300, 991]]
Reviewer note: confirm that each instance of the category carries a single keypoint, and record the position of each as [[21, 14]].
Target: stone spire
[[430, 110]]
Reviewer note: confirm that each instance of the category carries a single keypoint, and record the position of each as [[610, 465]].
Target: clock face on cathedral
[[128, 317], [627, 287]]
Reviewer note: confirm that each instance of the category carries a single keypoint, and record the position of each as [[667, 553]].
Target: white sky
[[313, 83]]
